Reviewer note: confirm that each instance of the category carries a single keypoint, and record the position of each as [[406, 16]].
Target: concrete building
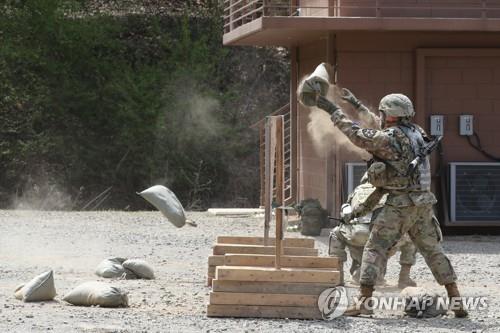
[[443, 54]]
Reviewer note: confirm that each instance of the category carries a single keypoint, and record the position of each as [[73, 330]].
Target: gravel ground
[[72, 244]]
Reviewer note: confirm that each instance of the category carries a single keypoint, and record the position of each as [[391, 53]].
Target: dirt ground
[[72, 244]]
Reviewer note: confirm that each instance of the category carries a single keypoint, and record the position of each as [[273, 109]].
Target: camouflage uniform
[[355, 233], [408, 208], [409, 201]]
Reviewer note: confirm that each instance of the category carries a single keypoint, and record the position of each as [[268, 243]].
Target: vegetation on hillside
[[111, 100]]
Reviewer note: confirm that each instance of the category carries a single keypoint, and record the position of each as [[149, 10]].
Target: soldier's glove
[[348, 96], [326, 105], [311, 85]]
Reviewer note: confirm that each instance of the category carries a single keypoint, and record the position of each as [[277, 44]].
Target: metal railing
[[241, 12]]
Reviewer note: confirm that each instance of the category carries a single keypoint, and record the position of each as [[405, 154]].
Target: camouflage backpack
[[312, 217]]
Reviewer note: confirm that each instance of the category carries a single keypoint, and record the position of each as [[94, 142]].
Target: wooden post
[[270, 142], [279, 189], [331, 158], [262, 163], [294, 119], [267, 179]]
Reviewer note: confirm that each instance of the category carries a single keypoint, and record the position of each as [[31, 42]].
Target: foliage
[[91, 100]]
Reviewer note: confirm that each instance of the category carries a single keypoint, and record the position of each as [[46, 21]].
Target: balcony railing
[[241, 12]]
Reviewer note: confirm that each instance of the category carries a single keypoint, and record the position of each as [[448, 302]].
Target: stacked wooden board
[[255, 245], [248, 284]]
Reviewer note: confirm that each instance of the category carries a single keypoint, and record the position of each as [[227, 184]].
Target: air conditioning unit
[[474, 194], [353, 173]]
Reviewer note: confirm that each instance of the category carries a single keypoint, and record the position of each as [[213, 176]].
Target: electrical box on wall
[[466, 125], [437, 126]]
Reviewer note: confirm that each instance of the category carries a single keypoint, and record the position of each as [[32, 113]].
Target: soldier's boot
[[453, 293], [404, 277], [365, 308]]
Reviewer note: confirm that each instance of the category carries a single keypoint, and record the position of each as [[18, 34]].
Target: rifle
[[336, 219], [424, 152]]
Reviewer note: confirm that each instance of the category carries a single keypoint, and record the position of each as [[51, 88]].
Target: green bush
[[111, 104]]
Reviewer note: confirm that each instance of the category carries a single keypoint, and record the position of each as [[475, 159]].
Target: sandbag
[[41, 288], [140, 268], [97, 293], [111, 268], [166, 202], [422, 303], [129, 275]]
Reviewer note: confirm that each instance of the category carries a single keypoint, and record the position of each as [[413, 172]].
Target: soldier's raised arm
[[375, 141], [366, 115]]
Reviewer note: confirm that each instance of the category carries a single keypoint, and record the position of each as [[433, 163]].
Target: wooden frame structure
[[270, 277], [289, 154]]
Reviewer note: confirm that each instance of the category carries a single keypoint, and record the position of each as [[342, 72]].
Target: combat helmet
[[396, 105]]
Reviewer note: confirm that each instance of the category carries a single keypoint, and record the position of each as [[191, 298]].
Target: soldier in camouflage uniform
[[408, 208], [354, 233], [408, 251]]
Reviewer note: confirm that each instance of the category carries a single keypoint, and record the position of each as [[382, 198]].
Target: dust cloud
[[192, 114], [42, 193], [325, 136], [200, 110]]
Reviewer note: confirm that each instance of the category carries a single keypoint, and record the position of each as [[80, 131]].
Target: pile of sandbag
[[93, 293], [42, 288], [121, 268]]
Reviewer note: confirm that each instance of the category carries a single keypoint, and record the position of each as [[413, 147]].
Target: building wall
[[465, 85], [375, 64]]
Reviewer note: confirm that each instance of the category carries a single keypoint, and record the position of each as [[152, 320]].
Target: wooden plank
[[264, 299], [255, 311], [209, 281], [267, 274], [270, 287], [279, 192], [220, 249], [286, 261], [216, 260], [211, 271], [245, 240], [234, 211]]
